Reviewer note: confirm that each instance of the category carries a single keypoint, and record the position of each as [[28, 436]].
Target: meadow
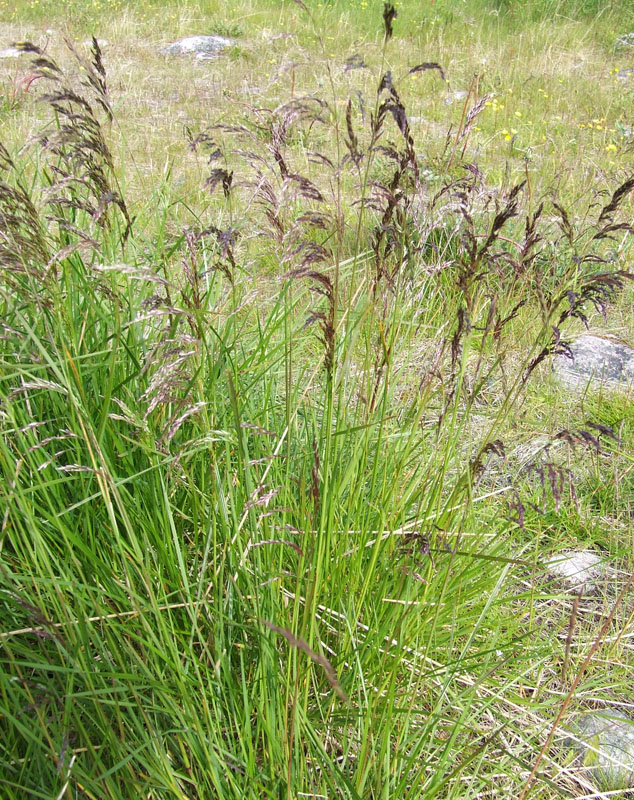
[[283, 458]]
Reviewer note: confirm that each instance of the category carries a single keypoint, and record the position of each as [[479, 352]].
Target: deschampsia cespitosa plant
[[240, 454]]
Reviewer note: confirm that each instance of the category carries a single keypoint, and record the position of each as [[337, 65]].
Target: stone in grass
[[578, 569], [604, 744], [596, 362], [202, 48], [101, 42], [625, 74], [625, 40], [10, 52], [456, 97]]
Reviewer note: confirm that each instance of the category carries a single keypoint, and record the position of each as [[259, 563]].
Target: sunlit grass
[[268, 525]]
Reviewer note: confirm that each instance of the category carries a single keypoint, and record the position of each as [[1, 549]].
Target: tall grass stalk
[[245, 547]]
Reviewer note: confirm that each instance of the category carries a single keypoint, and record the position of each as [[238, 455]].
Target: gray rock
[[456, 97], [101, 42], [596, 362], [10, 52], [604, 742], [578, 569], [625, 40], [201, 47], [625, 74]]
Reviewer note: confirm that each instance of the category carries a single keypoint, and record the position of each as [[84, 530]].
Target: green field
[[282, 455]]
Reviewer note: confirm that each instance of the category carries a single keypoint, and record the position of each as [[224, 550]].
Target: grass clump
[[248, 544]]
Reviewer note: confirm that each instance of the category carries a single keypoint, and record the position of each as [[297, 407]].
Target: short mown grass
[[275, 350]]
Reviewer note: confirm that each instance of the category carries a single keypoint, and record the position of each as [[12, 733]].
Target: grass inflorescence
[[265, 529]]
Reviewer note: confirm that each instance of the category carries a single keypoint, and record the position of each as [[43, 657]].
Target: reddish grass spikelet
[[44, 627], [317, 658], [321, 285], [283, 542], [617, 198], [427, 65], [175, 424], [81, 159], [389, 15], [355, 62]]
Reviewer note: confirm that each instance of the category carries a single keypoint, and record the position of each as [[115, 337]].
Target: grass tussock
[[262, 533]]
